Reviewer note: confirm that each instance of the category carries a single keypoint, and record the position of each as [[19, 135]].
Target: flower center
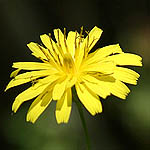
[[69, 66]]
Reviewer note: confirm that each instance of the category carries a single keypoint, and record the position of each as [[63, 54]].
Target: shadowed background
[[123, 124]]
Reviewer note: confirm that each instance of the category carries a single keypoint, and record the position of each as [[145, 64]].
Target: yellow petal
[[28, 76], [87, 44], [46, 41], [126, 75], [126, 59], [89, 99], [15, 82], [60, 40], [119, 89], [39, 73], [14, 73], [33, 91], [101, 53], [114, 86], [63, 107], [59, 89], [31, 65], [93, 37], [38, 106], [36, 49], [105, 67], [51, 45], [27, 95], [71, 82], [97, 86], [109, 85], [71, 38]]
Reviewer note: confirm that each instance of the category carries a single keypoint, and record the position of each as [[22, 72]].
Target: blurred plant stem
[[79, 106]]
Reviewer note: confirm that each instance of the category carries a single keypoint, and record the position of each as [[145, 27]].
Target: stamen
[[85, 49], [43, 52], [75, 40], [58, 47], [92, 42], [87, 32], [59, 60], [34, 81], [45, 61], [65, 40], [52, 44], [58, 38], [50, 55], [51, 58], [80, 37], [54, 57], [86, 46], [68, 63]]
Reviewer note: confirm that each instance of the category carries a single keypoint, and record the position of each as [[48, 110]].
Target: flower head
[[67, 63]]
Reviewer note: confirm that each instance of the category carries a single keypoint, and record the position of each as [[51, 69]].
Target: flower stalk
[[79, 106]]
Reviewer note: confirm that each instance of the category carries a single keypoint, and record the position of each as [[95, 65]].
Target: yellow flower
[[68, 63]]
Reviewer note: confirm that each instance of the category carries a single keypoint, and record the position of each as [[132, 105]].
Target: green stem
[[79, 106]]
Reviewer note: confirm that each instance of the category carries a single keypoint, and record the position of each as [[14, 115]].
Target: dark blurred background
[[123, 124]]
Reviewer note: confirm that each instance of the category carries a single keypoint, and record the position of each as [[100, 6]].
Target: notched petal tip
[[63, 116], [100, 110], [43, 36], [62, 121], [29, 119], [45, 40], [97, 28], [31, 45], [140, 61], [63, 110]]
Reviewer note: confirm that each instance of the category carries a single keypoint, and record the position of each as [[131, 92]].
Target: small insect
[[33, 81]]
